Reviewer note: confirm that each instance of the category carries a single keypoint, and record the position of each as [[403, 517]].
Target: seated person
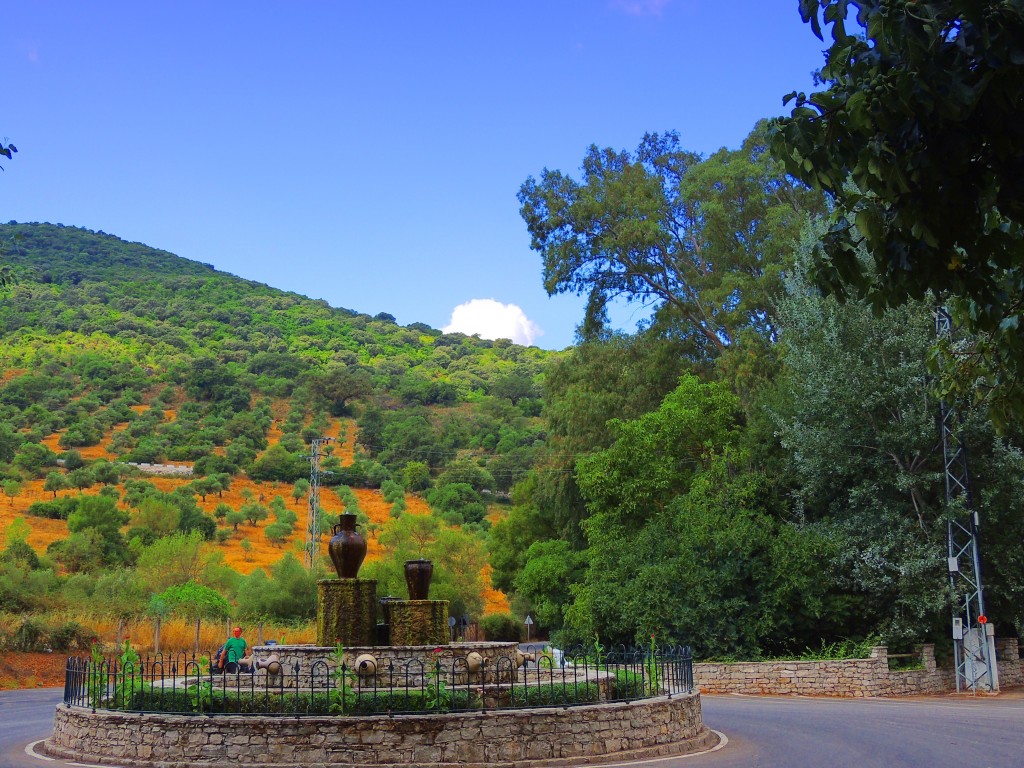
[[234, 651]]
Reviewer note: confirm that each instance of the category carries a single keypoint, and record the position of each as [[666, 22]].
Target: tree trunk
[[259, 633], [198, 621], [156, 635], [120, 631]]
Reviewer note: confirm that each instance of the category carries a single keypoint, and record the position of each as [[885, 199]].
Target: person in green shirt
[[234, 650]]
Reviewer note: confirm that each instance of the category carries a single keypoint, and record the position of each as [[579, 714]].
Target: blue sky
[[366, 153]]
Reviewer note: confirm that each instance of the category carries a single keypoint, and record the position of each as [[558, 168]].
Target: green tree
[[10, 441], [300, 489], [99, 517], [193, 601], [81, 478], [702, 241], [35, 459], [859, 433], [55, 481], [178, 558], [916, 137], [551, 568], [159, 516], [416, 475], [235, 518], [254, 512], [277, 464], [11, 490], [338, 384], [289, 594], [277, 533], [121, 595], [457, 503]]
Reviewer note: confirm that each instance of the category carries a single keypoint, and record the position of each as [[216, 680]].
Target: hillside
[[115, 353]]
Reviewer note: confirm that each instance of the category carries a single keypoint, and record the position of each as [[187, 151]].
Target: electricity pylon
[[973, 642], [313, 518]]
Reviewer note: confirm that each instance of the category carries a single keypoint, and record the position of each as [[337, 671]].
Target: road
[[763, 732], [25, 716], [797, 732]]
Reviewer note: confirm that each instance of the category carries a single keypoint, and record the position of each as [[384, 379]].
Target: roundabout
[[394, 689]]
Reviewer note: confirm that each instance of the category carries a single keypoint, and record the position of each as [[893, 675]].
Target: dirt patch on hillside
[[31, 670]]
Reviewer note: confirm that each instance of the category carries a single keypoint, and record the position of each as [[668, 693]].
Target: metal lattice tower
[[312, 526], [973, 651]]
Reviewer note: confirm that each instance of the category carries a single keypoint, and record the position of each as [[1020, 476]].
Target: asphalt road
[[25, 716], [797, 732], [763, 732]]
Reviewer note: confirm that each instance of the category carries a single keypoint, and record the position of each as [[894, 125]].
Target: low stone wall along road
[[763, 732]]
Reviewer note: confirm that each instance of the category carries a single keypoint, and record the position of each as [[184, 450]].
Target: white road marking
[[30, 750], [722, 741]]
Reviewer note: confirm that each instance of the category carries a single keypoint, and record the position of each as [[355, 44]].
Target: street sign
[[528, 623]]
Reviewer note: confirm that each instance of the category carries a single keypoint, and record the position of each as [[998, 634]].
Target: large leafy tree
[[701, 241], [859, 430], [917, 137], [681, 542]]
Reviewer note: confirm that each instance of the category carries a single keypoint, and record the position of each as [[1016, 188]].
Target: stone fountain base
[[419, 622], [346, 612], [397, 665]]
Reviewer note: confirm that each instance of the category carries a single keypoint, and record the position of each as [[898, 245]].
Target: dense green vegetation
[[758, 470], [915, 136], [102, 339]]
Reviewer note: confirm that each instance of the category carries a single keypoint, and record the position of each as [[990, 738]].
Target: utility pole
[[312, 521], [973, 637]]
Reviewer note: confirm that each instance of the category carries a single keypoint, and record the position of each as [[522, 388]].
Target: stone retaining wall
[[849, 677], [574, 736], [1011, 666]]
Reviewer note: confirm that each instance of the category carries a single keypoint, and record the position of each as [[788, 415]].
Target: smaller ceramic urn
[[417, 578]]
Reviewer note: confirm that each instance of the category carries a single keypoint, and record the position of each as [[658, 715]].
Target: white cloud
[[493, 320]]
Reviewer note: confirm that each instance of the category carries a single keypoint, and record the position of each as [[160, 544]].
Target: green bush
[[555, 694], [501, 627], [57, 509], [167, 699], [29, 636], [627, 685], [72, 636]]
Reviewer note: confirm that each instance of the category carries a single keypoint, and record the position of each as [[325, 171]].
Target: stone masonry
[[573, 736], [847, 677]]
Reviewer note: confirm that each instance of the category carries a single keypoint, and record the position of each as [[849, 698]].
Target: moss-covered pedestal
[[419, 622], [346, 612]]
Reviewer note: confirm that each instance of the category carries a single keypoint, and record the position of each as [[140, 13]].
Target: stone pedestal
[[419, 622], [346, 612]]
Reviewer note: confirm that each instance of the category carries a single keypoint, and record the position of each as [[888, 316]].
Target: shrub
[[501, 626], [555, 694], [57, 509], [166, 699], [29, 636], [629, 685], [72, 636]]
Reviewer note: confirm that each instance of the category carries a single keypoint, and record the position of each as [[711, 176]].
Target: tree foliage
[[702, 241], [917, 138]]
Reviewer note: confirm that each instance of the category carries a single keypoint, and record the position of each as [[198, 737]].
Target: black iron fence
[[184, 684]]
